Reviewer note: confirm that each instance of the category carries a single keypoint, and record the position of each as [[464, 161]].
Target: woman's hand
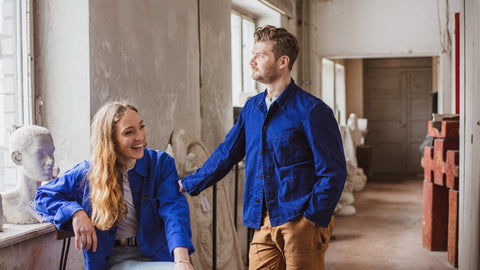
[[182, 261], [181, 186], [85, 235]]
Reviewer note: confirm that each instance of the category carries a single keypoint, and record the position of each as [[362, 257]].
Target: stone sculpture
[[32, 149], [356, 178], [190, 154]]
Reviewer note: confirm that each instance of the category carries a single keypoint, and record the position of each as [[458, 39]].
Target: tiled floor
[[385, 233]]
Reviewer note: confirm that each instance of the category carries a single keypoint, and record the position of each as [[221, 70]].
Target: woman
[[123, 205]]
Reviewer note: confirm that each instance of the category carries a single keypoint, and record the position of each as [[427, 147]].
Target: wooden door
[[398, 106]]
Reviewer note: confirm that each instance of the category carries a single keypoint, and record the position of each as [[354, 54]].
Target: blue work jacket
[[294, 159], [161, 210]]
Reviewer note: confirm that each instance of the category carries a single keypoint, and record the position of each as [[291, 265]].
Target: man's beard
[[266, 78]]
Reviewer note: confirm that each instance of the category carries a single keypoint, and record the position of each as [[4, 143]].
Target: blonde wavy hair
[[105, 178]]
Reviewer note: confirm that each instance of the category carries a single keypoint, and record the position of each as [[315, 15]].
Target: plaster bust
[[32, 149]]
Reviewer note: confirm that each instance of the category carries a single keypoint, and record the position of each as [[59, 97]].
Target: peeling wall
[[41, 252], [216, 81], [147, 52]]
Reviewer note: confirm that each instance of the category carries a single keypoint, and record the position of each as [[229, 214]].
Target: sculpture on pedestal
[[32, 149]]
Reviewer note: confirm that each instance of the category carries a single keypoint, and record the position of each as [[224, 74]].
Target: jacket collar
[[141, 165], [282, 100]]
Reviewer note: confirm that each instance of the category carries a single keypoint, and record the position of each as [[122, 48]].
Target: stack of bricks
[[440, 189]]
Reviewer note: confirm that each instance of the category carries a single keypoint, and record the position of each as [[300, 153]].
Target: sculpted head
[[32, 148]]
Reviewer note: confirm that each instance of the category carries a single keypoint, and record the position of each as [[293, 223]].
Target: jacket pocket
[[291, 148]]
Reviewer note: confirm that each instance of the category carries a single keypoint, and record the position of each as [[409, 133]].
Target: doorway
[[398, 105]]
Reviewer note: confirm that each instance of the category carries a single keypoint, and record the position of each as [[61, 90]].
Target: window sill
[[16, 233]]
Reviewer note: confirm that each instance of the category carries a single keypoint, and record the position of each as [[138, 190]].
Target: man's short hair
[[23, 137], [284, 43]]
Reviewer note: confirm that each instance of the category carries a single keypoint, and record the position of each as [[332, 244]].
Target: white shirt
[[128, 227], [269, 102]]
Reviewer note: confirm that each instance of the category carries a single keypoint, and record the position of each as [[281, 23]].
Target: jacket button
[[265, 127], [260, 152], [257, 201], [143, 197], [107, 258], [111, 232], [260, 177]]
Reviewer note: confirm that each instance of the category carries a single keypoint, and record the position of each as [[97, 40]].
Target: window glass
[[333, 88], [242, 42], [328, 82], [340, 105], [236, 43], [248, 29], [15, 83]]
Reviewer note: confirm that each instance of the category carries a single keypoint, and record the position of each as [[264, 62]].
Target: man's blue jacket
[[294, 159]]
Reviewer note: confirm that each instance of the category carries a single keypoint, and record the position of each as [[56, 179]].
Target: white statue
[[357, 134], [356, 178], [32, 149]]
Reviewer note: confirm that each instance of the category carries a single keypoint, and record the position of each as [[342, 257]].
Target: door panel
[[398, 106]]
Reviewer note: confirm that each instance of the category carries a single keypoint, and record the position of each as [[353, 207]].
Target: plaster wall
[[147, 52], [354, 87], [372, 28], [215, 90], [379, 28], [41, 252]]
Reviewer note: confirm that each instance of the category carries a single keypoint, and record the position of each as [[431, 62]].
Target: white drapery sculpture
[[352, 136], [189, 155]]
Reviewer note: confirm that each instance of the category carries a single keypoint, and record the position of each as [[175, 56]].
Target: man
[[33, 150], [294, 163]]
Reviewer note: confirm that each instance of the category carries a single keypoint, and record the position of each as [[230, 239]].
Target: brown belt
[[127, 242]]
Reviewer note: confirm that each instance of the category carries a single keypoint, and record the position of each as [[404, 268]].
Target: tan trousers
[[298, 244]]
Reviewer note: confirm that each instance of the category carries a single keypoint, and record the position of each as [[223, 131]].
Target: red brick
[[435, 217], [449, 128], [451, 169], [452, 250], [441, 146], [427, 163]]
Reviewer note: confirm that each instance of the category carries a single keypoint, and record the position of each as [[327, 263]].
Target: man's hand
[[181, 189], [85, 235]]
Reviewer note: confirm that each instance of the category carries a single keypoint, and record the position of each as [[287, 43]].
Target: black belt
[[127, 242]]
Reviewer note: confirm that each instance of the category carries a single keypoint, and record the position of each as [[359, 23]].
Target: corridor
[[385, 233]]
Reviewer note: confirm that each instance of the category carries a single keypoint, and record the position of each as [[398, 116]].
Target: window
[[328, 82], [340, 106], [15, 80], [333, 88], [242, 29]]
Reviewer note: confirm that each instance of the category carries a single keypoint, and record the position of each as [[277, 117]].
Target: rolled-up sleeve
[[59, 199]]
